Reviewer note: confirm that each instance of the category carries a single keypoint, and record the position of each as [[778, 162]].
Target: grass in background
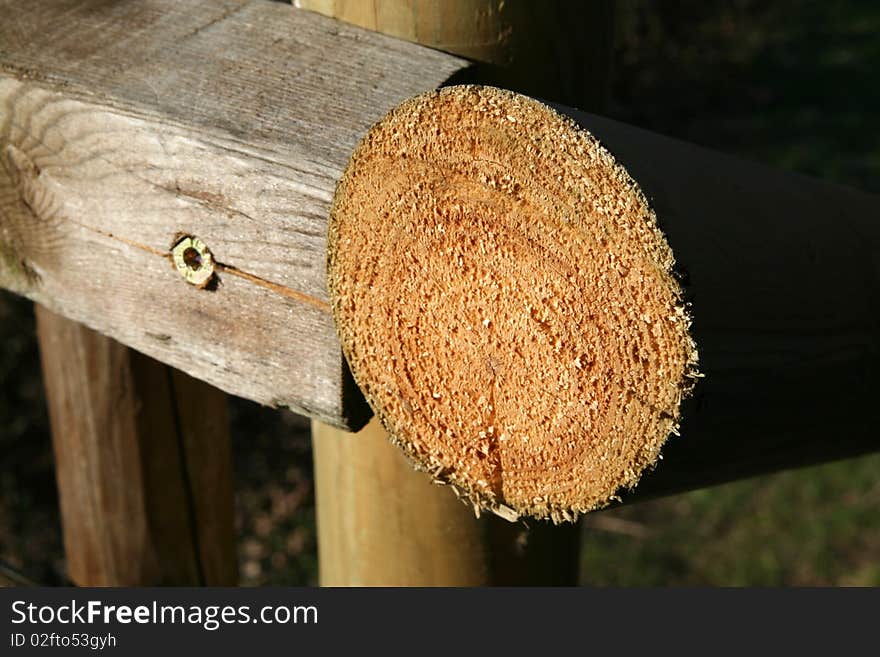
[[815, 526], [793, 85]]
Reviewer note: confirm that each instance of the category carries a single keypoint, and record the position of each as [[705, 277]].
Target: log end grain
[[506, 302]]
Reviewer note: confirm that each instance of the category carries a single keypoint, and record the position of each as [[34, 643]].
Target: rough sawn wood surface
[[124, 126]]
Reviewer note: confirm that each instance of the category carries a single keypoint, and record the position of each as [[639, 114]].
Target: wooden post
[[781, 269], [370, 531], [554, 49], [381, 523], [143, 464]]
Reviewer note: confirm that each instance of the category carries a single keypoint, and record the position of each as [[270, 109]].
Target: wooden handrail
[[168, 123], [231, 125]]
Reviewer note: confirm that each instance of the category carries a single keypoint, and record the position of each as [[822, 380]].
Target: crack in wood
[[27, 177], [284, 291], [290, 293], [219, 19]]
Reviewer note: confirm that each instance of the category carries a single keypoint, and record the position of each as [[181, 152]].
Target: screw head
[[193, 261]]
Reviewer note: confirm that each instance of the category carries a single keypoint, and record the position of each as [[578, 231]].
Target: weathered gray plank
[[126, 125], [143, 464]]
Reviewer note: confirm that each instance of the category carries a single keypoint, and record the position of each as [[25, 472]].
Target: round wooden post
[[143, 464], [379, 522], [555, 49]]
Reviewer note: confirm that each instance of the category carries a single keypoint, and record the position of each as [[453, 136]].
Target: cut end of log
[[506, 302]]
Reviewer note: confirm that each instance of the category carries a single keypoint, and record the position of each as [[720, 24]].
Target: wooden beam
[[127, 126], [783, 274], [143, 463], [165, 121], [518, 325]]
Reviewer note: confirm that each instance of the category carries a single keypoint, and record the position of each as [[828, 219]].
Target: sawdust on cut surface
[[505, 300]]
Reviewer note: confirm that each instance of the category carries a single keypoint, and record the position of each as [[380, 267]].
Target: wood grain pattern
[[126, 125], [369, 532], [143, 463], [202, 430]]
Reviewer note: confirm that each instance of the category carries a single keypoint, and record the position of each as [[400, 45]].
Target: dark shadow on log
[[783, 274]]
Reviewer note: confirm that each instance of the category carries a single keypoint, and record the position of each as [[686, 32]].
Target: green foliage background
[[793, 85]]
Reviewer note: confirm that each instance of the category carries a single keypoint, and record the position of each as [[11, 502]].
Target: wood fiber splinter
[[505, 300]]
